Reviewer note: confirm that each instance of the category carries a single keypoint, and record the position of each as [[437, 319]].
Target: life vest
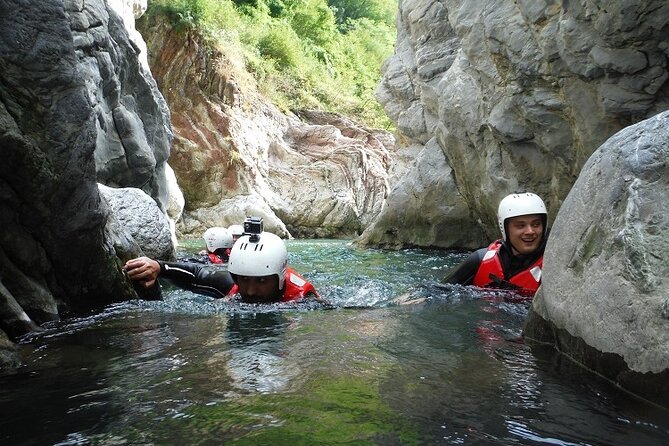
[[214, 258], [491, 275], [295, 287]]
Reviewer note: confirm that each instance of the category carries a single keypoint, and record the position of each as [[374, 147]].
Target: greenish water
[[194, 371]]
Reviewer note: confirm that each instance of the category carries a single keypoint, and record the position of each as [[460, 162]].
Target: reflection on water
[[448, 369], [256, 349]]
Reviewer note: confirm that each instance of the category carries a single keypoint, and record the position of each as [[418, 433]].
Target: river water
[[448, 368]]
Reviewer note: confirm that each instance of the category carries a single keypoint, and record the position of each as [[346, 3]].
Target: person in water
[[219, 242], [259, 267], [515, 261], [257, 270], [236, 231]]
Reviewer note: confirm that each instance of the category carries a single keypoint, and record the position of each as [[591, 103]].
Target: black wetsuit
[[214, 281], [511, 265]]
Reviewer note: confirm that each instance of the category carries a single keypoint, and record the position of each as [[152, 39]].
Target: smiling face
[[262, 289], [524, 233]]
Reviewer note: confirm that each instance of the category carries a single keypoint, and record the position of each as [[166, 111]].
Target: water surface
[[190, 370]]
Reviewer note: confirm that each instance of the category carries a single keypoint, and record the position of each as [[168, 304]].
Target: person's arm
[[185, 272], [146, 271], [316, 297], [213, 282], [465, 272]]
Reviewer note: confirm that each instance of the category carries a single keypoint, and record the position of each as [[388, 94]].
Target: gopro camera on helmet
[[253, 226]]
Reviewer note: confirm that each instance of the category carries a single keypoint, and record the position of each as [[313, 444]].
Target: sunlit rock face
[[511, 96], [76, 107], [330, 174], [235, 154], [141, 219], [604, 298]]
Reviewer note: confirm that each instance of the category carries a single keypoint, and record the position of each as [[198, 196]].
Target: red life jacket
[[213, 258], [234, 290], [527, 281], [295, 287]]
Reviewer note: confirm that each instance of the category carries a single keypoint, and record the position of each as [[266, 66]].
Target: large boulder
[[231, 211], [516, 95], [604, 299]]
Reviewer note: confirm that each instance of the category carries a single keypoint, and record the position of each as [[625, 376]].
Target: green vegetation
[[323, 54]]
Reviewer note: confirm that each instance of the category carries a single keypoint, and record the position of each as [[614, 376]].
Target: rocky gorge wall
[[308, 173], [77, 108], [506, 96]]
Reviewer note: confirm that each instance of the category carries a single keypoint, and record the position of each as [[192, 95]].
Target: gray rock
[[517, 94], [233, 211], [8, 353], [141, 219], [76, 107], [330, 176], [604, 290], [625, 60], [133, 133], [422, 223]]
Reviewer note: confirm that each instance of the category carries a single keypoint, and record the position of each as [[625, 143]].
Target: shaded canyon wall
[[76, 108], [507, 96]]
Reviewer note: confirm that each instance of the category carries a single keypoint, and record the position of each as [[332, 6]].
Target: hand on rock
[[143, 270]]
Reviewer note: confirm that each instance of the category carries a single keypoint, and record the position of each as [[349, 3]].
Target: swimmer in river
[[257, 271], [515, 261]]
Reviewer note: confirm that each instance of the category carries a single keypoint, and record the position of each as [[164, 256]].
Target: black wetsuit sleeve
[[465, 272], [212, 281], [179, 271]]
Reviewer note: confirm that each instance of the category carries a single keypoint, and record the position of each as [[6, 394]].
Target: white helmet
[[519, 204], [237, 230], [264, 257], [216, 238]]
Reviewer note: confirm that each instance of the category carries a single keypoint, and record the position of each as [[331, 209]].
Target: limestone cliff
[[235, 154], [504, 96]]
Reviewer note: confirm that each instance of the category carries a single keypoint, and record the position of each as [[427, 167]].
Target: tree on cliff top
[[321, 54]]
